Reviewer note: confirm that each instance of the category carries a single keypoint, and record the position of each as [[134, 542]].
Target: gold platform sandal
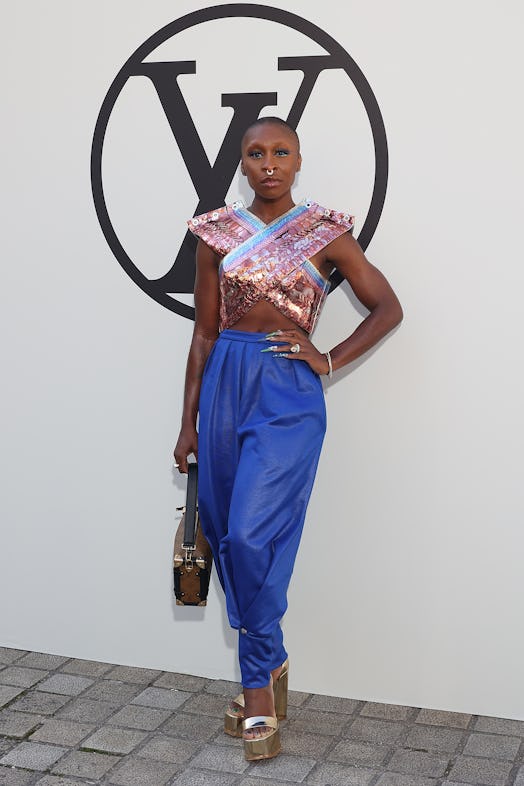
[[265, 746], [235, 715]]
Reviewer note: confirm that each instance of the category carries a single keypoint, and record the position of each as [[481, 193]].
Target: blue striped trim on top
[[265, 231], [315, 274]]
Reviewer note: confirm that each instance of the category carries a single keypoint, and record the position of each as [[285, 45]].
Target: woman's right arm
[[204, 336]]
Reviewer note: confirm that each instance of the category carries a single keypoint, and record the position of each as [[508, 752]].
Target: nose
[[268, 163]]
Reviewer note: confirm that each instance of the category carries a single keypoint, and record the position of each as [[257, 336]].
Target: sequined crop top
[[271, 261]]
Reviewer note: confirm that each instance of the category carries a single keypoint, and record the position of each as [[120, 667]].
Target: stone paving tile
[[397, 779], [56, 780], [226, 739], [354, 752], [66, 684], [519, 780], [38, 702], [206, 704], [370, 730], [162, 748], [200, 778], [296, 698], [224, 688], [418, 763], [434, 738], [112, 690], [496, 746], [162, 698], [326, 723], [33, 756], [499, 725], [18, 724], [302, 744], [146, 718], [8, 693], [42, 660], [61, 732], [109, 739], [459, 720], [85, 764], [132, 674], [454, 783], [20, 677], [220, 759], [88, 710], [252, 781], [6, 744], [332, 704], [284, 768], [142, 772], [481, 772], [374, 709], [192, 727], [9, 777], [181, 682], [87, 668], [340, 775], [8, 655]]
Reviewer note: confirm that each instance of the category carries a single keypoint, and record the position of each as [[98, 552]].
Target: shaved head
[[272, 121]]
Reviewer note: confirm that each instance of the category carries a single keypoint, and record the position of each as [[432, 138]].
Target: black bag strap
[[190, 521]]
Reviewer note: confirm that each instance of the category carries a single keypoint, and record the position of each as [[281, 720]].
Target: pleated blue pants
[[262, 422]]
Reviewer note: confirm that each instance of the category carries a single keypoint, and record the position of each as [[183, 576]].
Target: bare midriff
[[263, 317]]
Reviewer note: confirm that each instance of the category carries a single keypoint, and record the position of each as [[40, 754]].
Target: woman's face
[[270, 146]]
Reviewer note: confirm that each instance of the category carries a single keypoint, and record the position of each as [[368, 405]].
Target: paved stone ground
[[65, 721]]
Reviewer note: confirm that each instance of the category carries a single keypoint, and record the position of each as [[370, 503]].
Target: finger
[[287, 332], [285, 346], [181, 464], [291, 355]]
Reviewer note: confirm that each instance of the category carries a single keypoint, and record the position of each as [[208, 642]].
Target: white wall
[[418, 503]]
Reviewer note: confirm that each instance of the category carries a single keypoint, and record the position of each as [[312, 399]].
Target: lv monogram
[[212, 181]]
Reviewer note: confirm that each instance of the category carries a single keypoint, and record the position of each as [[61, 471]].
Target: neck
[[269, 209]]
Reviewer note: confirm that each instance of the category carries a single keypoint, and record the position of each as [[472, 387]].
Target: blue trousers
[[262, 422]]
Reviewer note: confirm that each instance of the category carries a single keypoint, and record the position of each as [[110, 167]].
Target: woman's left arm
[[374, 292]]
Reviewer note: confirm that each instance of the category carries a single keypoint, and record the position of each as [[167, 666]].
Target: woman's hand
[[187, 443], [307, 351]]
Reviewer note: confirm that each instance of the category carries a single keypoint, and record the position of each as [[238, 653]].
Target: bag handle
[[190, 520]]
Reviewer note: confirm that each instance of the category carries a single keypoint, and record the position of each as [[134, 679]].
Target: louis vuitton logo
[[212, 182]]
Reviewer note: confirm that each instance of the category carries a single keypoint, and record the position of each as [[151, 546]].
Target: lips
[[270, 181]]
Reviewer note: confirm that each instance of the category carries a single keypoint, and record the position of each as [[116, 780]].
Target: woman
[[253, 378]]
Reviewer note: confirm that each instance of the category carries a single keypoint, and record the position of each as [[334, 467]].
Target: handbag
[[192, 558]]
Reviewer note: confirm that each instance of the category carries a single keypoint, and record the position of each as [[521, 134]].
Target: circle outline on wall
[[212, 13]]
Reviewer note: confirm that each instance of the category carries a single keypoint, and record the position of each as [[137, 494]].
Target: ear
[[242, 168], [299, 162]]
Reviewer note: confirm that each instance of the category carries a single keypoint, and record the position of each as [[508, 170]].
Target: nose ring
[[269, 172]]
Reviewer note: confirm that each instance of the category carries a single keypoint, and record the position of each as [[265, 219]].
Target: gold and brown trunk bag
[[192, 559]]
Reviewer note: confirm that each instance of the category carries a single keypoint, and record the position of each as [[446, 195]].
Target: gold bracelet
[[330, 364]]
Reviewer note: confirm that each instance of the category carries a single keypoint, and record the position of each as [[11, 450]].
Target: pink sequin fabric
[[271, 261]]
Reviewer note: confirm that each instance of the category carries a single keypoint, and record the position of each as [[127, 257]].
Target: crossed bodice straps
[[271, 261]]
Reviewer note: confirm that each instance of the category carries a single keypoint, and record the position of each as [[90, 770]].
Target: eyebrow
[[271, 144]]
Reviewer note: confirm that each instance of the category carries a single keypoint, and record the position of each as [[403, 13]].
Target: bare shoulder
[[345, 253], [206, 256]]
